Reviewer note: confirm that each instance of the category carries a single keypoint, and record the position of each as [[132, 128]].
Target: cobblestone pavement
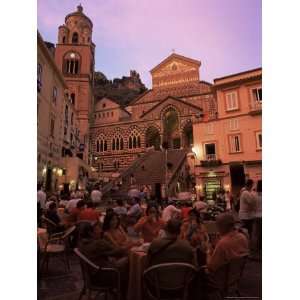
[[58, 285]]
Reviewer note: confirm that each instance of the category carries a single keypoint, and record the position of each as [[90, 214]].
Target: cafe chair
[[57, 245], [227, 278], [96, 279], [168, 281], [50, 225]]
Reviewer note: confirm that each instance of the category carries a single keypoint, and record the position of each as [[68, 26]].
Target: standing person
[[120, 209], [228, 201], [96, 195], [41, 196], [247, 207], [200, 205], [135, 210], [258, 216]]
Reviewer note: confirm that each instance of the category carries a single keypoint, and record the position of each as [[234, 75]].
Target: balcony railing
[[255, 107], [210, 157]]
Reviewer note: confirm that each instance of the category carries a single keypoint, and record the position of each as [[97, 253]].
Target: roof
[[114, 101], [237, 74], [174, 55], [176, 99], [179, 91], [79, 13]]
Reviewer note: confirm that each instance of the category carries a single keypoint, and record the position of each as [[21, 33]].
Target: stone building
[[163, 114], [228, 149]]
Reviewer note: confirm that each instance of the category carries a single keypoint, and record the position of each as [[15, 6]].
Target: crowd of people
[[174, 233]]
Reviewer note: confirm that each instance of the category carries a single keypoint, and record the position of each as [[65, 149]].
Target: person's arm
[[216, 260], [140, 224]]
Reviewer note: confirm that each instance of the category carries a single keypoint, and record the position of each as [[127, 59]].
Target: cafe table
[[137, 264], [42, 236]]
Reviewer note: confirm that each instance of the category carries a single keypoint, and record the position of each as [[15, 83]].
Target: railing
[[211, 157], [256, 106]]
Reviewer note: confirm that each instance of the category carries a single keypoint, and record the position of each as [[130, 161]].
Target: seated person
[[89, 213], [187, 206], [74, 213], [103, 254], [114, 233], [232, 243], [51, 214], [150, 225], [135, 211], [170, 212], [195, 232], [120, 209], [170, 248]]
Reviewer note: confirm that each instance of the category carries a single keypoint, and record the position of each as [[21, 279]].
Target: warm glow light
[[44, 171], [227, 187], [199, 187], [59, 172], [198, 152]]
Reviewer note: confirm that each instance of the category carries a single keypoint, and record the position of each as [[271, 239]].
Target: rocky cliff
[[123, 90]]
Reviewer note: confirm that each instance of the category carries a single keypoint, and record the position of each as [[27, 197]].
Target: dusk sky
[[225, 35]]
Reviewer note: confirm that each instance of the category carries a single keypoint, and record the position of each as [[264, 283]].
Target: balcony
[[255, 108], [210, 161]]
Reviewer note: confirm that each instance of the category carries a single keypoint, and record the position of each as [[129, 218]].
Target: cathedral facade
[[163, 115]]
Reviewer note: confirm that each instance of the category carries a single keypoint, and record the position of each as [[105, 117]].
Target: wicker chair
[[168, 281], [90, 271], [57, 245], [227, 278]]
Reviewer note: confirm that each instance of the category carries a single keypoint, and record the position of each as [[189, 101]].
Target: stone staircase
[[150, 169]]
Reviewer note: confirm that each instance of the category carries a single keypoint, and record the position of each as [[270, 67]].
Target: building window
[[54, 96], [112, 113], [75, 38], [235, 143], [231, 101], [130, 143], [257, 94], [113, 146], [258, 140], [71, 63], [72, 117], [39, 77], [103, 105], [65, 130], [73, 98], [107, 114], [210, 151], [64, 39], [105, 145], [52, 124], [209, 128], [233, 124]]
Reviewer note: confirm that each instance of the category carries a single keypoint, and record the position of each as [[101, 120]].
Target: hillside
[[122, 90]]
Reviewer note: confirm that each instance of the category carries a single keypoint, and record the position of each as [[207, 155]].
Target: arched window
[[73, 98], [130, 142], [117, 144], [101, 146], [64, 39], [72, 117], [75, 38], [122, 144], [98, 146], [134, 142], [113, 147], [105, 145], [66, 114], [139, 142], [71, 64]]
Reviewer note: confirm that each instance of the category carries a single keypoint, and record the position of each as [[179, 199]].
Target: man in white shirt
[[170, 212], [73, 202], [247, 207], [96, 195], [41, 197], [200, 205]]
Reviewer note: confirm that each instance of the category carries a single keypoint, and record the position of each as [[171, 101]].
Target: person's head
[[120, 202], [80, 204], [249, 184], [39, 186], [194, 216], [225, 223], [111, 221], [136, 200], [52, 206], [152, 210], [173, 227], [259, 186]]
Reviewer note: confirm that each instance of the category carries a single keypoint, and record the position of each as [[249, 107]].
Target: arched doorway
[[188, 135], [171, 129], [152, 137]]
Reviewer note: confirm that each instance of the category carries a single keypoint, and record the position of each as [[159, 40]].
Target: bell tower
[[75, 57]]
